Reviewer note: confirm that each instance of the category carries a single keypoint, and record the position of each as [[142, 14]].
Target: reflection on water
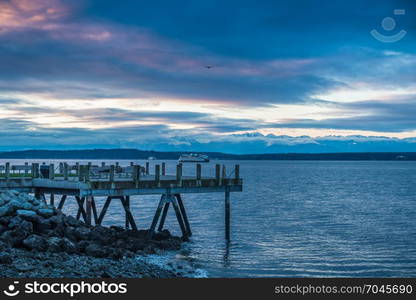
[[298, 218]]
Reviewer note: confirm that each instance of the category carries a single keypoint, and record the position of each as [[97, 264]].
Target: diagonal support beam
[[164, 214], [129, 216], [184, 215], [179, 218], [157, 215], [62, 202], [81, 210], [104, 210]]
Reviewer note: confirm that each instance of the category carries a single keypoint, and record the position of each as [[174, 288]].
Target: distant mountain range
[[140, 154]]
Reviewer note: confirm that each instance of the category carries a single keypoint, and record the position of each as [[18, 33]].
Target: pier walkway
[[86, 182]]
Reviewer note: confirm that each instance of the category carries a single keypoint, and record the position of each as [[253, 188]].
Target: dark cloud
[[262, 52]]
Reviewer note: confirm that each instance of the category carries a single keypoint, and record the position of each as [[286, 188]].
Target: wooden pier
[[86, 182]]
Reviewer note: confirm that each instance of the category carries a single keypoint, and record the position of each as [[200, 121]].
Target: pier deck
[[115, 182]]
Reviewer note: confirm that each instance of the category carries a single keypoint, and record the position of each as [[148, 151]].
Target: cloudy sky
[[298, 75]]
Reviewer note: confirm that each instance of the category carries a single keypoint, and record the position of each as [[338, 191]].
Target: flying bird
[[209, 67]]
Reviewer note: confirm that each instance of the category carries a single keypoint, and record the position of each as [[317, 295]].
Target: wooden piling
[[103, 164], [88, 210], [227, 213], [198, 174], [157, 175], [224, 175], [163, 169], [136, 175], [7, 170], [179, 174], [218, 174], [65, 171], [26, 169], [35, 170], [111, 175], [147, 168], [51, 171], [237, 173], [87, 172]]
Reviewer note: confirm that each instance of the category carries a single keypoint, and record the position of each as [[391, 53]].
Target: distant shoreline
[[135, 154]]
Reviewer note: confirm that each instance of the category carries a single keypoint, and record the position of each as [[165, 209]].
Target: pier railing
[[140, 175]]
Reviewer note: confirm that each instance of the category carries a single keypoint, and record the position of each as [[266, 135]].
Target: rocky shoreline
[[37, 240]]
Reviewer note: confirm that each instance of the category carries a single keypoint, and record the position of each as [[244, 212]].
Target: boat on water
[[151, 158], [192, 157]]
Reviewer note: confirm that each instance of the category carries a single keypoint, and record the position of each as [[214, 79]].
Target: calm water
[[301, 218]]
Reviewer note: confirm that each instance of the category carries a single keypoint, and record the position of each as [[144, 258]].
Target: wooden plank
[[158, 191]]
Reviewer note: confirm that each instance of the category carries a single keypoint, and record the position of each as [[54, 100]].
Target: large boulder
[[45, 212], [42, 225], [16, 204], [5, 259], [54, 244], [102, 235], [15, 237], [6, 210], [68, 246], [18, 223], [35, 242], [28, 215], [71, 221], [96, 250], [82, 233]]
